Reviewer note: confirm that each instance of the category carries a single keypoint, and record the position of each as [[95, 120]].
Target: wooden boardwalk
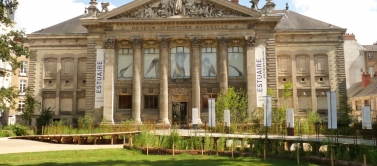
[[95, 138]]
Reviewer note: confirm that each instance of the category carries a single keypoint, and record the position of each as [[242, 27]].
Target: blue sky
[[358, 16]]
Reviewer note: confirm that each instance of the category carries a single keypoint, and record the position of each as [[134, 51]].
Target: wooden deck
[[95, 138]]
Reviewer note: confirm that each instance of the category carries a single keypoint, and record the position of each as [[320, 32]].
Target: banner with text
[[195, 116], [100, 77], [267, 111], [211, 112], [261, 76], [366, 117], [332, 115], [290, 118]]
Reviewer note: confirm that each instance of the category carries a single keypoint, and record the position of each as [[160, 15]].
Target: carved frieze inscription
[[179, 9], [183, 27]]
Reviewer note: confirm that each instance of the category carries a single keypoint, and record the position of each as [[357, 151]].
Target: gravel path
[[20, 146]]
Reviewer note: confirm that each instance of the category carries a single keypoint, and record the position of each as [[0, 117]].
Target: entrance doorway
[[180, 114]]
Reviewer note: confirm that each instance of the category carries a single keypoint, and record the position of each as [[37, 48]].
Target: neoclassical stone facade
[[156, 60]]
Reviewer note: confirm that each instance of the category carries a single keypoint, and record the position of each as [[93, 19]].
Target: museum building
[[157, 60]]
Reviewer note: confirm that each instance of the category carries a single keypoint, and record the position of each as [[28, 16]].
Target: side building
[[151, 61]]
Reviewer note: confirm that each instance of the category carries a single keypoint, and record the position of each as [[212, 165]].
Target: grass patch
[[129, 157]]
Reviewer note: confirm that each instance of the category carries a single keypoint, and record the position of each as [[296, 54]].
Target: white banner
[[211, 112], [367, 117], [195, 115], [267, 111], [227, 118], [290, 118], [100, 77], [332, 115], [261, 77]]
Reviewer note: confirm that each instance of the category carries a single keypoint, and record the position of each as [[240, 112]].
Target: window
[[361, 70], [302, 79], [371, 71], [370, 55], [321, 79], [23, 68], [125, 102], [22, 86], [21, 106], [125, 60], [151, 58], [361, 53], [284, 80], [235, 62], [151, 102], [209, 65], [180, 62]]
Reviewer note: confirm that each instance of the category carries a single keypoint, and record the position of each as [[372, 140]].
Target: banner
[[211, 112], [260, 74], [100, 77], [195, 116], [366, 117], [290, 118], [267, 111], [332, 115], [227, 118]]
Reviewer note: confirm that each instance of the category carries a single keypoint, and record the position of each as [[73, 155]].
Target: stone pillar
[[223, 52], [108, 96], [136, 80], [312, 84], [294, 84], [163, 78], [250, 74], [195, 74], [58, 82]]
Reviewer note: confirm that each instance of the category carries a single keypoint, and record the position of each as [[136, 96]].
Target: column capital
[[109, 43], [137, 42], [223, 41], [251, 40], [164, 42], [195, 41]]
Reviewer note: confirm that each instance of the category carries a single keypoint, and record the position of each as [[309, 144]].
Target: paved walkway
[[20, 146]]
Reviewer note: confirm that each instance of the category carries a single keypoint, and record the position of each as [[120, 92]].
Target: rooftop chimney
[[349, 36], [234, 1], [365, 79]]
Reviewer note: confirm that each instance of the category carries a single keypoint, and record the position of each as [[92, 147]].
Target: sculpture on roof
[[254, 5], [105, 6]]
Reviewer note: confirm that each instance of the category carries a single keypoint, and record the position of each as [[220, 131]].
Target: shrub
[[86, 122], [18, 129]]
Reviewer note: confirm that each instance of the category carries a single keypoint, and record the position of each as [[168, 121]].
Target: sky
[[358, 16]]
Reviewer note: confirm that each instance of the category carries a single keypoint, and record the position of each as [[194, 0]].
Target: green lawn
[[131, 158]]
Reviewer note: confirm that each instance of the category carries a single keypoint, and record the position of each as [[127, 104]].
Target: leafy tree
[[46, 115], [236, 102], [31, 104], [11, 47], [345, 111]]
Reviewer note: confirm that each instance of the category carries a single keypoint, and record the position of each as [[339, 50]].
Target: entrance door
[[180, 114]]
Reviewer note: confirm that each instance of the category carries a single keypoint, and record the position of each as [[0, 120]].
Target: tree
[[31, 104], [345, 111], [46, 115], [11, 47], [236, 102]]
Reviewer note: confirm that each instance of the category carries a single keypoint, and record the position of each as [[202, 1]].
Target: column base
[[107, 123], [164, 124]]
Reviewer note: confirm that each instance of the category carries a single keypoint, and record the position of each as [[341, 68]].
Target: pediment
[[161, 9]]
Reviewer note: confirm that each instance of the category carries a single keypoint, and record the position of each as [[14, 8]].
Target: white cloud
[[359, 17], [33, 15]]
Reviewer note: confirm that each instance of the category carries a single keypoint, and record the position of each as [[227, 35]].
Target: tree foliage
[[11, 47], [46, 115], [31, 104], [345, 111], [236, 102]]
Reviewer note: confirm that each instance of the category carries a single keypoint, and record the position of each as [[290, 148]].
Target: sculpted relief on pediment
[[179, 9]]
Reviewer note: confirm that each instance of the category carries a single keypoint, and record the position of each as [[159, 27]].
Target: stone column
[[250, 75], [294, 83], [108, 96], [58, 82], [136, 80], [312, 84], [163, 78], [223, 53], [195, 74]]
